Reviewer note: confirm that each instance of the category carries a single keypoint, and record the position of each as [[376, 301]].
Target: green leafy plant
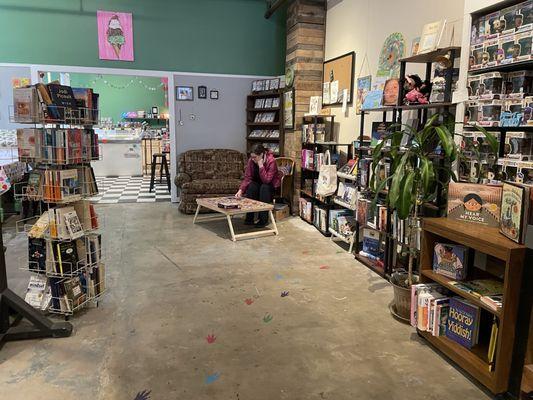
[[415, 177]]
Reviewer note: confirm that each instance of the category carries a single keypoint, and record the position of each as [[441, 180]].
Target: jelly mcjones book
[[450, 260], [479, 204], [462, 325]]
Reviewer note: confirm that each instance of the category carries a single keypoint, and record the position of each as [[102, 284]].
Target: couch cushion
[[212, 186], [212, 163]]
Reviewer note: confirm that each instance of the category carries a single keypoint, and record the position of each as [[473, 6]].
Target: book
[[372, 243], [229, 203], [29, 142], [37, 254], [450, 260], [379, 132], [74, 292], [83, 211], [41, 226], [515, 211], [348, 167], [480, 287], [431, 35], [25, 104], [69, 183], [492, 343], [475, 203], [66, 257], [493, 301], [463, 322], [37, 293], [63, 100], [415, 291], [73, 225], [34, 189]]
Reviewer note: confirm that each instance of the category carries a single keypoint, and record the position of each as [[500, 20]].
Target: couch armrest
[[182, 178]]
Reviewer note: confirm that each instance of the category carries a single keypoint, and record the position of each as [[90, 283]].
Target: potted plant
[[416, 179]]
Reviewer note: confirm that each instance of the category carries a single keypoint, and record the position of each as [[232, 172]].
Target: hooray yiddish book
[[462, 325]]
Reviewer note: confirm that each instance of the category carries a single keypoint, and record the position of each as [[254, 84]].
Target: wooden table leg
[[196, 214], [272, 219], [231, 228]]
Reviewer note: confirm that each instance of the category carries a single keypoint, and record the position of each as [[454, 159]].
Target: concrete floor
[[171, 284]]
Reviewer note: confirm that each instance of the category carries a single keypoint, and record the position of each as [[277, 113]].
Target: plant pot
[[402, 294]]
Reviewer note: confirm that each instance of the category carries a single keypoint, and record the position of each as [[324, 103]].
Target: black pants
[[262, 192]]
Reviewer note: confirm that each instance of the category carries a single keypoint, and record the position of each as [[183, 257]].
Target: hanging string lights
[[135, 79]]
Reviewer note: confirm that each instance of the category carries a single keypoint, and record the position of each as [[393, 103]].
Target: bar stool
[[164, 165]]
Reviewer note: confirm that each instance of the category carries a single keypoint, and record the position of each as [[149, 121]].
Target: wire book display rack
[[68, 263]]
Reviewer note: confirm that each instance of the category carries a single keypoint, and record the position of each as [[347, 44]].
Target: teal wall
[[217, 36], [119, 94]]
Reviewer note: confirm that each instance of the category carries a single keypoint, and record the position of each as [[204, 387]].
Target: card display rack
[[264, 120], [87, 268]]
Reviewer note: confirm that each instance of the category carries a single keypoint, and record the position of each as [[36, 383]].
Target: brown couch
[[208, 173]]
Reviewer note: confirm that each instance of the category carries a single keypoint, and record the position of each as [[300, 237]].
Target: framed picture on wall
[[213, 94], [184, 93], [202, 92], [339, 72], [288, 109]]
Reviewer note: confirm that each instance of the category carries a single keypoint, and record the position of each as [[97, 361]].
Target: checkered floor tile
[[129, 189]]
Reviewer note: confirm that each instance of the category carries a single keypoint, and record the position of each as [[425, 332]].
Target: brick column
[[306, 34]]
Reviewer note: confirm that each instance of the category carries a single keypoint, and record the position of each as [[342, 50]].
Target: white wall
[[363, 25], [212, 124]]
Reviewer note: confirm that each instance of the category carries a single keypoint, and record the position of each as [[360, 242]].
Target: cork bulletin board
[[340, 69]]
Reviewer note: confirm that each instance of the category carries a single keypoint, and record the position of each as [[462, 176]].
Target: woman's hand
[[238, 194], [260, 162]]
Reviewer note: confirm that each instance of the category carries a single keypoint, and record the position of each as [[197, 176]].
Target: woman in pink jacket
[[261, 178]]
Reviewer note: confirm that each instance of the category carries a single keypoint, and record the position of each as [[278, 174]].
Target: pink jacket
[[268, 173]]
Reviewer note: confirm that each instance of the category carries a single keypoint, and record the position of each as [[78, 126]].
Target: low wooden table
[[247, 205]]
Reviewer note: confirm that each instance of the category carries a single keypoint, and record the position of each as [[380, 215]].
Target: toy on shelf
[[417, 90]]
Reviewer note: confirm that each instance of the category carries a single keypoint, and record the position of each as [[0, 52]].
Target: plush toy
[[417, 91]]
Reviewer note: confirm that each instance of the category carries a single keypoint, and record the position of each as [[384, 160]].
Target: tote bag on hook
[[327, 178]]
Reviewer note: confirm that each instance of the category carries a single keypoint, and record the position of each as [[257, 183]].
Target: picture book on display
[[379, 132], [515, 211], [450, 260], [480, 287], [478, 204], [463, 322], [38, 293]]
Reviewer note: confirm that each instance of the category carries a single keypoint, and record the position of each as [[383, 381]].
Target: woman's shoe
[[260, 224], [248, 222]]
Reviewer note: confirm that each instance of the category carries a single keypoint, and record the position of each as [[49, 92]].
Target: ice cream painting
[[115, 35]]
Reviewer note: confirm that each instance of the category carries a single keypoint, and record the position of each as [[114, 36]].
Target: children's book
[[463, 322], [450, 260]]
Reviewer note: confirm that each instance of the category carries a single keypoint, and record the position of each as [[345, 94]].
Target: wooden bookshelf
[[511, 256], [278, 124]]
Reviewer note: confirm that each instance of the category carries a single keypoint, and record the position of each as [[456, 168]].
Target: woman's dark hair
[[473, 196], [258, 149]]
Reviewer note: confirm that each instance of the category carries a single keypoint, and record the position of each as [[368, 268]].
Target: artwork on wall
[[415, 46], [202, 92], [20, 82], [289, 76], [363, 87], [213, 94], [288, 109], [389, 59], [115, 35], [184, 93], [339, 72]]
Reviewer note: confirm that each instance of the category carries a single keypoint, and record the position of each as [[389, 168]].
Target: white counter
[[119, 157]]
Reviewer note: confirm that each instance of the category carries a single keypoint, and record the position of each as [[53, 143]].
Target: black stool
[[164, 165]]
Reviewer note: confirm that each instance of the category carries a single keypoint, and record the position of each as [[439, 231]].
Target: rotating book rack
[[60, 146]]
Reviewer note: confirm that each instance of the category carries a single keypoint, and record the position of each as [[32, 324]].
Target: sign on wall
[[115, 35]]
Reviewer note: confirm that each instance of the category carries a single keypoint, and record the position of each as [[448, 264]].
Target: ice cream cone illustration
[[115, 35]]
